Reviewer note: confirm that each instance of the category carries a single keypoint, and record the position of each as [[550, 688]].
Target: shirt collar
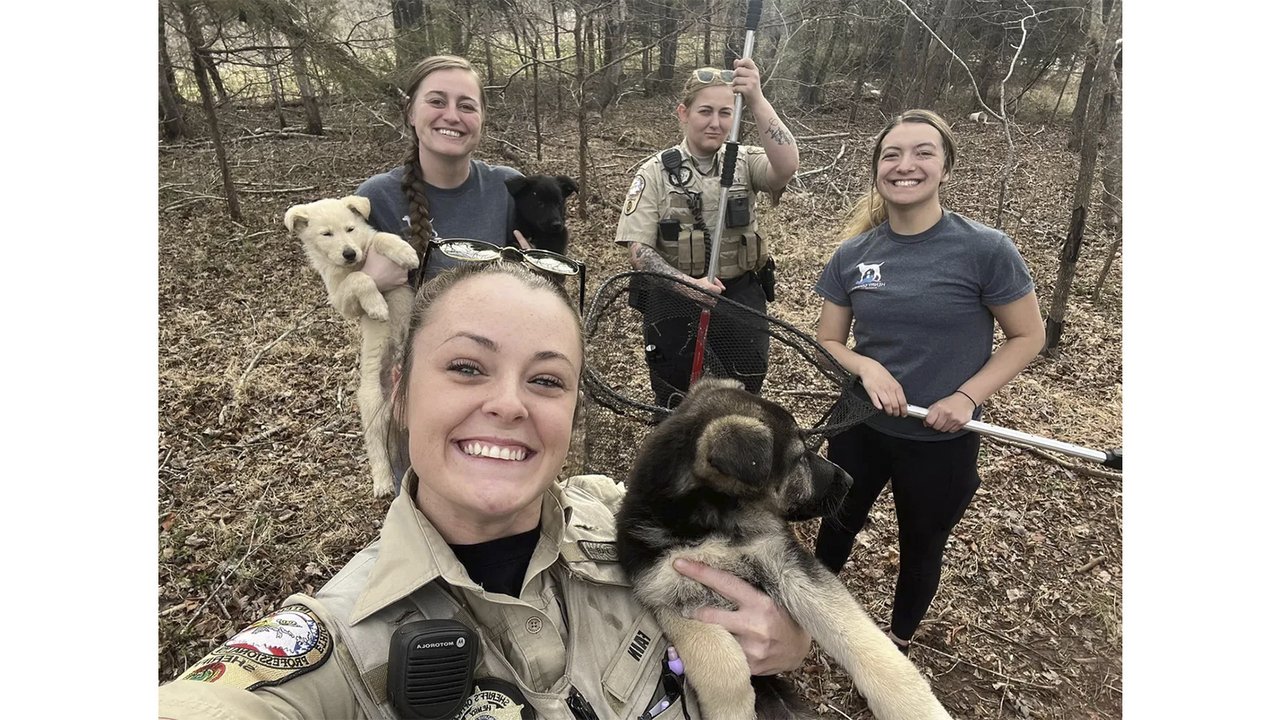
[[412, 553]]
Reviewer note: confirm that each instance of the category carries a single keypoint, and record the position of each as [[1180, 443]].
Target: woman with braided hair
[[440, 190]]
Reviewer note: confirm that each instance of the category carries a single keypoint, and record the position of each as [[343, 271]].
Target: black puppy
[[540, 209], [717, 482]]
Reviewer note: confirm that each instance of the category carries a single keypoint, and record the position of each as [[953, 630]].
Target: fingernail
[[680, 564]]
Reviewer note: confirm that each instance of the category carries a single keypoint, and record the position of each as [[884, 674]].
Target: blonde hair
[[869, 211]]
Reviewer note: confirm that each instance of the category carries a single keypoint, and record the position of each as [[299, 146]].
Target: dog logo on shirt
[[868, 276]]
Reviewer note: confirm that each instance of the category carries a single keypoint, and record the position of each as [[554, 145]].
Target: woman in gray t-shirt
[[921, 287], [440, 190]]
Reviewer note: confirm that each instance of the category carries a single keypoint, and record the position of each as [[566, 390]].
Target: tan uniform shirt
[[654, 196], [574, 630]]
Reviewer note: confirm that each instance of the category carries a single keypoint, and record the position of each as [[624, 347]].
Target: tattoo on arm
[[778, 133], [646, 259]]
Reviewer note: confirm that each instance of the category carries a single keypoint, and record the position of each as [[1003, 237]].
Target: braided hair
[[413, 185]]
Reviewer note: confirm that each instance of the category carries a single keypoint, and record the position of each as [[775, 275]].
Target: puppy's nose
[[556, 226], [349, 255]]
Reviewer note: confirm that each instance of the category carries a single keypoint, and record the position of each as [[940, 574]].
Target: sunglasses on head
[[555, 264], [708, 75]]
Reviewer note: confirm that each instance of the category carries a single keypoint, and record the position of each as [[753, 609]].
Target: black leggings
[[933, 483]]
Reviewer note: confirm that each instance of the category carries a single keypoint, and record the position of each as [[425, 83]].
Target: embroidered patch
[[282, 645], [599, 551], [633, 195], [495, 699]]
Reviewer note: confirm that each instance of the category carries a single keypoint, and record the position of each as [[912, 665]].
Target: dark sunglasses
[[555, 264], [708, 75]]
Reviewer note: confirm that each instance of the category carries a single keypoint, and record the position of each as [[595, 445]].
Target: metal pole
[[1111, 458], [726, 181]]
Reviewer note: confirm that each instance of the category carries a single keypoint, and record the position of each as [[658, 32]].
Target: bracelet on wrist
[[975, 402]]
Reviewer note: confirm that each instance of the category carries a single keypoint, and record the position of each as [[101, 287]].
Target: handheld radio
[[430, 669]]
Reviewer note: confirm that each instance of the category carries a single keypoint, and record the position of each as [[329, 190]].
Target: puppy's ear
[[358, 204], [567, 185], [737, 446], [516, 185], [295, 218]]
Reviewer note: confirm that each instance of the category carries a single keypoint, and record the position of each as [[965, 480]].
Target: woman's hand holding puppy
[[770, 638]]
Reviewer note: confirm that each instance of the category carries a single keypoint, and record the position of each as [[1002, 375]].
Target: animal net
[[635, 314]]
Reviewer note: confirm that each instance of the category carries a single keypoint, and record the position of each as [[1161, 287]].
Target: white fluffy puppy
[[336, 238]]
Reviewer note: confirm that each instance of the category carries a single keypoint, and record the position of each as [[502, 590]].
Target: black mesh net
[[641, 335]]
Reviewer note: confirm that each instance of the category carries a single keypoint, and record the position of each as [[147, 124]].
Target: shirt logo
[[868, 276]]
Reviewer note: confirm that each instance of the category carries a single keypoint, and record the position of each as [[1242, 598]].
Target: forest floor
[[263, 489]]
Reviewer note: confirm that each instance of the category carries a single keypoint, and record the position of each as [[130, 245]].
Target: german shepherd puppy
[[717, 482]]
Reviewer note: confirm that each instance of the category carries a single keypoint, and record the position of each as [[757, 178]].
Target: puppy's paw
[[382, 486], [375, 307], [399, 252]]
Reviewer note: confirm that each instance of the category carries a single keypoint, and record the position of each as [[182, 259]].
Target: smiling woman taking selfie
[[921, 288], [494, 588]]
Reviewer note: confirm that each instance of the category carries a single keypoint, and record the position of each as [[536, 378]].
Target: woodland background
[[264, 104]]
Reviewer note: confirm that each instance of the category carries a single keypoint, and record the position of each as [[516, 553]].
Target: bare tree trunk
[[1112, 167], [1071, 70], [532, 42], [992, 58], [706, 32], [1080, 113], [310, 106], [863, 66], [1112, 157], [938, 58], [1084, 187], [807, 90], [590, 33], [555, 39], [614, 39], [899, 85], [408, 17], [195, 39], [172, 123], [273, 77], [667, 46], [581, 76]]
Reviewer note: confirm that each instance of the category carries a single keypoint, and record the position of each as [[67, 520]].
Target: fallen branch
[[277, 191], [239, 386], [824, 168], [823, 136], [1090, 565]]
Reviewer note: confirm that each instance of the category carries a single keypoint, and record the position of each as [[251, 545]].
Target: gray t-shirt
[[920, 305], [480, 208]]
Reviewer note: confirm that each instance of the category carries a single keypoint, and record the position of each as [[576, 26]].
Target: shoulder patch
[[283, 645], [599, 551], [633, 195]]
